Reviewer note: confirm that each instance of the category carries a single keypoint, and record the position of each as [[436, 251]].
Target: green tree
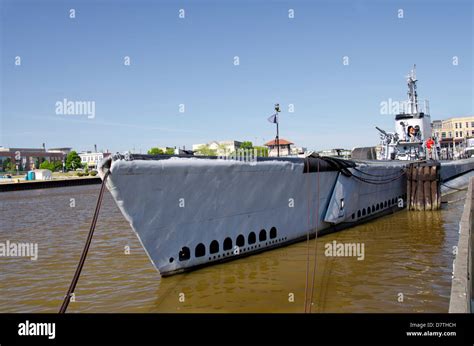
[[205, 150], [262, 151], [6, 163], [73, 161], [12, 167], [246, 145], [47, 165], [9, 165], [57, 165], [155, 151], [169, 151]]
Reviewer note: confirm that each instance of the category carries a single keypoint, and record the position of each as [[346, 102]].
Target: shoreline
[[44, 184]]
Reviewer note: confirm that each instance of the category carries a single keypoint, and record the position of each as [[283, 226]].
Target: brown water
[[407, 252]]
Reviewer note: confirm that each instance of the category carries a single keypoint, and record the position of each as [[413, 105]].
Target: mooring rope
[[376, 175], [315, 243], [378, 182], [309, 288], [75, 279], [342, 167], [454, 201], [453, 188], [308, 179]]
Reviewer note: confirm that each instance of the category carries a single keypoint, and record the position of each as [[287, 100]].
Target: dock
[[424, 186], [45, 184], [462, 287]]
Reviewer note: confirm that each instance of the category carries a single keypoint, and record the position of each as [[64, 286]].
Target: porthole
[[240, 240], [273, 233], [184, 254], [227, 244], [214, 247], [368, 211], [358, 213], [200, 250], [262, 236], [373, 209], [363, 212], [353, 216], [171, 259], [385, 204], [252, 238]]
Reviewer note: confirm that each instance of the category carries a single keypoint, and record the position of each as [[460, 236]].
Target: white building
[[287, 148], [43, 174], [92, 159], [343, 153], [222, 148]]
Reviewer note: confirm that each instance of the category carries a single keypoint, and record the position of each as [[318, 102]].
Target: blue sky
[[190, 61]]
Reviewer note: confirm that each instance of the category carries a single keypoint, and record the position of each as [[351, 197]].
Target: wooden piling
[[423, 186], [427, 187]]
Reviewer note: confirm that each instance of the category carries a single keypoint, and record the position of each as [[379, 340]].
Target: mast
[[412, 94], [277, 110]]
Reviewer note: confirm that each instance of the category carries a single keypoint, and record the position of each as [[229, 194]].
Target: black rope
[[343, 167], [378, 182], [377, 175], [75, 279]]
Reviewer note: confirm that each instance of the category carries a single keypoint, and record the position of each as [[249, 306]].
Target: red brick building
[[30, 158]]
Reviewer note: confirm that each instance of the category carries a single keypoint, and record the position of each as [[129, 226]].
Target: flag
[[273, 118]]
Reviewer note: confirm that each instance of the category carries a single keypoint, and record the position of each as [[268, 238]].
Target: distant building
[[453, 129], [221, 147], [342, 153], [65, 151], [92, 159], [287, 148], [365, 153], [28, 158], [43, 174], [169, 149]]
